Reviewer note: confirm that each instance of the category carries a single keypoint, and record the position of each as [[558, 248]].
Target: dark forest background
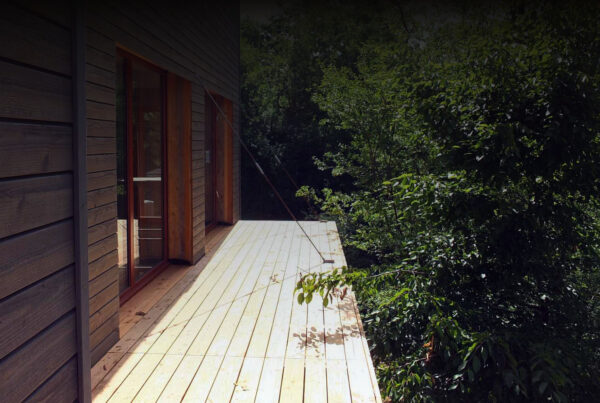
[[457, 146]]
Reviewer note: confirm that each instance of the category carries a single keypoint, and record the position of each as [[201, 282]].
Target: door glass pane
[[122, 229], [147, 105]]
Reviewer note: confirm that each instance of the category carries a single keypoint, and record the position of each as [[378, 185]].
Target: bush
[[474, 154]]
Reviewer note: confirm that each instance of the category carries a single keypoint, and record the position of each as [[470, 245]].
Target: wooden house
[[113, 163], [118, 165]]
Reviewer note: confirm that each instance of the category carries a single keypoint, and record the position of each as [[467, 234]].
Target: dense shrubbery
[[468, 201]]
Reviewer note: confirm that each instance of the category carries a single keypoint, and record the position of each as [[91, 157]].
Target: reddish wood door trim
[[135, 286]]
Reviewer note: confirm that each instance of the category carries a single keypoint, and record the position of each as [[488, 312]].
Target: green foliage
[[465, 183]]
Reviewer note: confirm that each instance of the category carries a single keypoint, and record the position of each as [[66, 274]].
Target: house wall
[[38, 315], [198, 41]]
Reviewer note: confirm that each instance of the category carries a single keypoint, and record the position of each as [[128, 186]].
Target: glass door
[[140, 171]]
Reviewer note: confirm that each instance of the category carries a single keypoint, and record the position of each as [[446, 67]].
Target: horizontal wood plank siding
[[28, 93], [38, 330], [61, 387], [197, 42], [26, 202], [29, 257], [23, 371], [35, 308], [32, 149]]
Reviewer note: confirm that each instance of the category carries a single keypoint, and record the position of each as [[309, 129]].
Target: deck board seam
[[145, 334], [280, 251], [194, 314], [212, 310], [217, 259], [245, 306]]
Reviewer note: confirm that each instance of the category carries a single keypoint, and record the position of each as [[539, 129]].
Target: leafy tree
[[464, 150]]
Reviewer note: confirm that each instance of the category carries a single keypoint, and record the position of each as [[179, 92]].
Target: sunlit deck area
[[230, 329]]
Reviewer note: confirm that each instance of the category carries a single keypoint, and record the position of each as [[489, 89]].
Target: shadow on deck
[[229, 329]]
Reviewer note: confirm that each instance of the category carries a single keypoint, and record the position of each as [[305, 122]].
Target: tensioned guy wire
[[264, 175]]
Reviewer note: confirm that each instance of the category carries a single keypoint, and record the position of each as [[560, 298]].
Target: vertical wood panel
[[80, 218], [179, 148]]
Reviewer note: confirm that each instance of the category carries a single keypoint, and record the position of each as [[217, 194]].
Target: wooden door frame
[[135, 286], [211, 130], [221, 155]]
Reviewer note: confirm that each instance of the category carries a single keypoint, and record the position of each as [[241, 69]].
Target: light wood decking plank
[[181, 379], [281, 322], [361, 387], [224, 319], [157, 382], [292, 384], [246, 385], [338, 386], [170, 334], [260, 337], [203, 380], [143, 335], [270, 380], [136, 378], [260, 322], [231, 330], [177, 293], [205, 338]]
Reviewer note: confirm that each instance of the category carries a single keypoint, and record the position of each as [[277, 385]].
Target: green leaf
[[475, 364], [300, 298], [471, 375]]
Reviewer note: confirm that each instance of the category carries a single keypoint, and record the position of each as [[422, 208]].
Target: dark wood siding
[[38, 327], [196, 41]]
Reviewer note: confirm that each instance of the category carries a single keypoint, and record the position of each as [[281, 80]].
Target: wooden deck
[[231, 330]]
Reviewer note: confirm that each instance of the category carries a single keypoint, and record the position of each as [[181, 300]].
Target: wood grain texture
[[28, 31], [101, 128], [104, 345], [60, 387], [103, 280], [173, 39], [234, 332], [100, 265], [102, 230], [102, 247], [101, 145], [28, 149], [33, 202], [102, 162], [99, 180], [102, 214], [103, 314], [30, 257], [28, 312], [101, 197], [179, 184], [103, 297], [22, 372], [58, 11], [27, 93], [104, 331]]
